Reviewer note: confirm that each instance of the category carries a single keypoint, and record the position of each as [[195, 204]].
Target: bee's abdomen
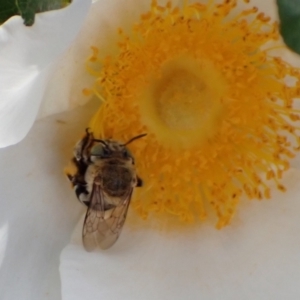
[[116, 180]]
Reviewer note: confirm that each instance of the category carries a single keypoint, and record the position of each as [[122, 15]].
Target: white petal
[[26, 55], [257, 257], [38, 209]]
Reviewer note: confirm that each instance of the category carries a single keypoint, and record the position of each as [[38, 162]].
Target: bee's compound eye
[[100, 151], [97, 150]]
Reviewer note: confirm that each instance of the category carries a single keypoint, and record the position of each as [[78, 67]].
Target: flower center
[[180, 104], [178, 98]]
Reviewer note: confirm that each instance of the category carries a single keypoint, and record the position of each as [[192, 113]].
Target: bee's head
[[112, 149]]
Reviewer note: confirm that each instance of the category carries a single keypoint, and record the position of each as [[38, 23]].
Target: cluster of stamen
[[214, 101]]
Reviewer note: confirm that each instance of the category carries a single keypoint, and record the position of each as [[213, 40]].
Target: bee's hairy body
[[104, 178], [114, 176]]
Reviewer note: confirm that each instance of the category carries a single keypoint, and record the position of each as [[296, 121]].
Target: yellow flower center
[[213, 100], [183, 104]]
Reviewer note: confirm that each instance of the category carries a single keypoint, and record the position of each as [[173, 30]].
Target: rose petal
[[26, 54], [257, 257], [38, 209]]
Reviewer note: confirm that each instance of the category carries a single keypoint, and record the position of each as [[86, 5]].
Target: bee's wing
[[103, 226]]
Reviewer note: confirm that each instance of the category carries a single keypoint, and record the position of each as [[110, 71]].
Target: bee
[[104, 181]]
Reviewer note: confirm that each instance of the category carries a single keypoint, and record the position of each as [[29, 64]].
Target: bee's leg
[[80, 164], [80, 189], [82, 146], [82, 194], [139, 182]]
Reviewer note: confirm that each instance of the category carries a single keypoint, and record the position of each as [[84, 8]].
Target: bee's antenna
[[135, 138], [101, 141]]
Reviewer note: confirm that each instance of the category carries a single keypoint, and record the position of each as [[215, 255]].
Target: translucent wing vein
[[103, 222]]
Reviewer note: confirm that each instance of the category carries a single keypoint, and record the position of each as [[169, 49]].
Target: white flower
[[256, 257]]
